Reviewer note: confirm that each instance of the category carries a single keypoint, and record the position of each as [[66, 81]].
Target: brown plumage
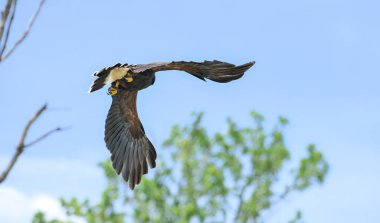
[[125, 138]]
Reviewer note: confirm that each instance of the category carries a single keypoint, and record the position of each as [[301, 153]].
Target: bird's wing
[[108, 75], [125, 138], [213, 70]]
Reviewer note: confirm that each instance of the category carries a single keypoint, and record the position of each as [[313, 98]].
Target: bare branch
[[9, 26], [5, 43], [45, 135], [42, 137], [27, 30], [21, 145], [4, 17]]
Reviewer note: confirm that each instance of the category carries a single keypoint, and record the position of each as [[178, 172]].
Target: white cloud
[[36, 183], [17, 207]]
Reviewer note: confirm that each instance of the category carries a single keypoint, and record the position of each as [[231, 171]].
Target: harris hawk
[[125, 138]]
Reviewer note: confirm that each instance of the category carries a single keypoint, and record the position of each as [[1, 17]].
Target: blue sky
[[317, 64]]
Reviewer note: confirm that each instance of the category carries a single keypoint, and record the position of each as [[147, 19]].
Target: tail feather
[[102, 75], [98, 83]]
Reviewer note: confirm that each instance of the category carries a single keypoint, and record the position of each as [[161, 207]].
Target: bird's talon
[[112, 91], [129, 79], [117, 84]]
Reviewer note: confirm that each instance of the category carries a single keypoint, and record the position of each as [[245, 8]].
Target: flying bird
[[125, 138]]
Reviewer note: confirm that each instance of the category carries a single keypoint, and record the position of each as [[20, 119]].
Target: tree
[[6, 23], [228, 177]]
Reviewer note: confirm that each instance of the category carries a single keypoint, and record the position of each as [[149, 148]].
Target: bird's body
[[125, 137], [138, 81]]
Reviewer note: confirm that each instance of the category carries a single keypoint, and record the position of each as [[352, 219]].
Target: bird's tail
[[98, 83]]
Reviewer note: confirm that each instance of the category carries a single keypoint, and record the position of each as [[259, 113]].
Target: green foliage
[[297, 218], [232, 176]]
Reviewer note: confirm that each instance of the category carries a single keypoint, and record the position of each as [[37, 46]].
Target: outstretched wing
[[213, 70], [126, 140]]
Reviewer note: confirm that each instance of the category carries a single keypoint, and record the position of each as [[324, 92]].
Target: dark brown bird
[[125, 137]]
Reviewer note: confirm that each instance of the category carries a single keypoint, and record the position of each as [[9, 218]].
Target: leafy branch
[[236, 176]]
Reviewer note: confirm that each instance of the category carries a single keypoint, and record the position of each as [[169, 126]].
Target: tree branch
[[4, 17], [241, 201], [22, 145], [42, 137], [5, 43], [26, 32]]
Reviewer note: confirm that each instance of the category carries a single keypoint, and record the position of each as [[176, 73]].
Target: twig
[[22, 145], [8, 28], [280, 201], [27, 30], [43, 137], [241, 200], [4, 17]]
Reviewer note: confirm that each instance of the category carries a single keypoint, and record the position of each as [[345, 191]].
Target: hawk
[[125, 138]]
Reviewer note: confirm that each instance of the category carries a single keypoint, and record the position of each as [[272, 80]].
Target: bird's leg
[[112, 91], [129, 78]]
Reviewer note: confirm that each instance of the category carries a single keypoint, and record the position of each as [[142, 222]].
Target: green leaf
[[198, 175]]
